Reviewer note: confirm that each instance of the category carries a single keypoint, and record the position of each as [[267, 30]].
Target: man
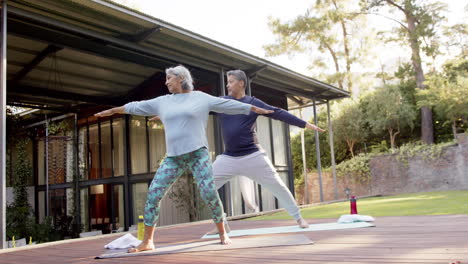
[[243, 156]]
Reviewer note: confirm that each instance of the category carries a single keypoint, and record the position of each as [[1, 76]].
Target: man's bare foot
[[302, 223], [225, 240], [215, 230], [144, 246]]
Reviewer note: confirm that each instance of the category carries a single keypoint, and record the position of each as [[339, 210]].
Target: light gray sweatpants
[[258, 167]]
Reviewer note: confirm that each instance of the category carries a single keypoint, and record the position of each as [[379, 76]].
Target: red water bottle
[[353, 205]]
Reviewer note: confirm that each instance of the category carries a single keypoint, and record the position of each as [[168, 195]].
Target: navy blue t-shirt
[[239, 135]]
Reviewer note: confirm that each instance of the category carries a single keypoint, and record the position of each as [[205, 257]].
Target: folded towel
[[126, 241], [355, 218]]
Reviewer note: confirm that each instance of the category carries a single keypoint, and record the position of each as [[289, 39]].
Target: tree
[[456, 35], [350, 125], [419, 25], [447, 93], [387, 110], [326, 27]]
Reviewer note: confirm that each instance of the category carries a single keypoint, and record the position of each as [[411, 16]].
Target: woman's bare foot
[[225, 240], [215, 231], [144, 246], [302, 223]]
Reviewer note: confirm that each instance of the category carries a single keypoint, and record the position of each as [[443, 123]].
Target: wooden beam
[[38, 59]]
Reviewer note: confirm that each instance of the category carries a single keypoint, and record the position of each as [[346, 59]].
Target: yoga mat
[[237, 243], [293, 229]]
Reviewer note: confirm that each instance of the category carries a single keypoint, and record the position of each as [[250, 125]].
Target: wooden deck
[[408, 239]]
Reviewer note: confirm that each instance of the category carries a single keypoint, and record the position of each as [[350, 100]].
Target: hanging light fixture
[[97, 189]]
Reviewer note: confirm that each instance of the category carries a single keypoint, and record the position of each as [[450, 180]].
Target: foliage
[[447, 93], [350, 124], [329, 27], [427, 152], [426, 17], [418, 30], [457, 35], [381, 147], [387, 110], [357, 168], [19, 212], [45, 231], [55, 128]]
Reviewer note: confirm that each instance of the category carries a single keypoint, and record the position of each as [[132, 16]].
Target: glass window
[[119, 206], [40, 162], [263, 134], [99, 207], [42, 205], [236, 196], [284, 177], [140, 191], [106, 150], [268, 200], [157, 144], [138, 145], [93, 157], [118, 152], [57, 204], [70, 157], [210, 134], [84, 210], [70, 200], [83, 153], [279, 143]]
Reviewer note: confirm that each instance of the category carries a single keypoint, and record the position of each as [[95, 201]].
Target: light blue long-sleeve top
[[185, 117]]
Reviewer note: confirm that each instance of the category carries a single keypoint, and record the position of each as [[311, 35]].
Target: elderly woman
[[184, 114]]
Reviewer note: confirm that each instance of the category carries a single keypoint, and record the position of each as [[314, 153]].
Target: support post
[[304, 163], [317, 149], [46, 165], [3, 62], [332, 151]]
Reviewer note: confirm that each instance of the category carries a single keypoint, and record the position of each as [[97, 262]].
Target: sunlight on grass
[[429, 203]]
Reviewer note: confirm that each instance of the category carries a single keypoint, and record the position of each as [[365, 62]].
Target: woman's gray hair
[[183, 73], [239, 75]]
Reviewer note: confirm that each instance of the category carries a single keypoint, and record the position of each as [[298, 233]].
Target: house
[[67, 60]]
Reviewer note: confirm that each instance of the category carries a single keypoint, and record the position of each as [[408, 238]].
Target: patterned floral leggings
[[198, 162]]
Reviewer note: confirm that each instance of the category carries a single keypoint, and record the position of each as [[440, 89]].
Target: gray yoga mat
[[293, 229], [237, 243]]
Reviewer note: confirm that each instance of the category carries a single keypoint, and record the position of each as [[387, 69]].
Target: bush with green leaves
[[357, 168], [424, 151]]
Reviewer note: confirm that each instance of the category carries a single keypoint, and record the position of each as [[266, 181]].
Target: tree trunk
[[348, 61], [392, 139], [346, 49], [350, 146], [454, 130], [427, 129], [335, 60]]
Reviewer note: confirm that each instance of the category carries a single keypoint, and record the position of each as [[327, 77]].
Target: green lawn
[[427, 203]]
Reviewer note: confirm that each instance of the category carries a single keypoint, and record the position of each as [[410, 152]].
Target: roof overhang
[[65, 53]]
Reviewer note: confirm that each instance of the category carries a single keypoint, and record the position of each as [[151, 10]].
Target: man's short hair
[[239, 75]]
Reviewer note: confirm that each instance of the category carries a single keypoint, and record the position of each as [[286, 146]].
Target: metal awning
[[62, 53]]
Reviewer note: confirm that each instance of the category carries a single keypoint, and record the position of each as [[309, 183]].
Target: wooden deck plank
[[410, 239]]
